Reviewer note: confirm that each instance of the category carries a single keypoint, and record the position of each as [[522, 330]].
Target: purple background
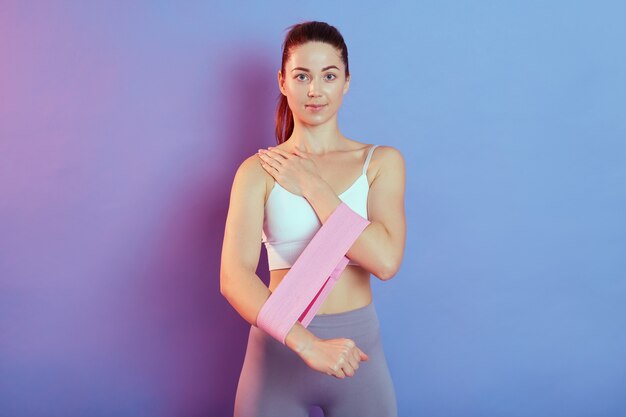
[[121, 127]]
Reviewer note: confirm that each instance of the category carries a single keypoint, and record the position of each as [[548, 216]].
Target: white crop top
[[290, 222]]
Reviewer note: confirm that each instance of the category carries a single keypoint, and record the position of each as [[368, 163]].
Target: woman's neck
[[317, 140]]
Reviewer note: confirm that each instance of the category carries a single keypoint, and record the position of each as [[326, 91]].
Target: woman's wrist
[[313, 187], [299, 338]]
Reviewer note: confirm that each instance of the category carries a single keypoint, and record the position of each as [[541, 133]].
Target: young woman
[[280, 197]]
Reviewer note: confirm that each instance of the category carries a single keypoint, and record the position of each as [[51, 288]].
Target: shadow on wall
[[203, 337]]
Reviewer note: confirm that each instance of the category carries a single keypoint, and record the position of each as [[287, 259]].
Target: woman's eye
[[328, 77]]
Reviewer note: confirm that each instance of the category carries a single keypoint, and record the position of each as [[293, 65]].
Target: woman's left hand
[[293, 171]]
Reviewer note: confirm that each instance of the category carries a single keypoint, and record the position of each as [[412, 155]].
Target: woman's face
[[314, 74]]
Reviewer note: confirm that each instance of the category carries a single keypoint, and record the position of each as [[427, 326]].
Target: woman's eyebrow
[[308, 70]]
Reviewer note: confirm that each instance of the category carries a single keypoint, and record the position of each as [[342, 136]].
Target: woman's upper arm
[[244, 222], [386, 202]]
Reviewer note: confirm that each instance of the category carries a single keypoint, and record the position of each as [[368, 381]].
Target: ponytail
[[284, 120]]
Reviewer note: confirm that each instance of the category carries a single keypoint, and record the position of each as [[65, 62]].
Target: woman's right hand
[[335, 357]]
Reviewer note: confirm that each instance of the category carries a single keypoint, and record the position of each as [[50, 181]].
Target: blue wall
[[121, 127]]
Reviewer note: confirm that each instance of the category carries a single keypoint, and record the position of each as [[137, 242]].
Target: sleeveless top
[[290, 222]]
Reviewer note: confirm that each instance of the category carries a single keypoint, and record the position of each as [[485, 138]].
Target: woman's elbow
[[388, 271], [224, 283], [223, 288]]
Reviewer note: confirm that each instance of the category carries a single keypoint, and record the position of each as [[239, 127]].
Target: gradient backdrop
[[122, 125]]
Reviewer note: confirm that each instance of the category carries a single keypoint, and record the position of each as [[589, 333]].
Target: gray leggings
[[275, 382]]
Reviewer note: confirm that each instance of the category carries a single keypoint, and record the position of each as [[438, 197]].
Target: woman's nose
[[313, 88]]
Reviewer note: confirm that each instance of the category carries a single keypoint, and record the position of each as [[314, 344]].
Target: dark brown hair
[[299, 34]]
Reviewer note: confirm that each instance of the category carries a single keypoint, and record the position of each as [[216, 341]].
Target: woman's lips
[[315, 108]]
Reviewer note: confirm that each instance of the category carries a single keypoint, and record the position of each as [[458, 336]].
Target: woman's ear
[[346, 86], [281, 81]]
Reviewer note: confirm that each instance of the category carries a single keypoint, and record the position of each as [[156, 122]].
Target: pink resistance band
[[312, 276]]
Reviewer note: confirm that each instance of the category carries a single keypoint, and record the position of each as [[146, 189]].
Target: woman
[[281, 197]]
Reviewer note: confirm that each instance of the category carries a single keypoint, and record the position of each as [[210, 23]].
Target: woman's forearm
[[247, 294], [372, 249]]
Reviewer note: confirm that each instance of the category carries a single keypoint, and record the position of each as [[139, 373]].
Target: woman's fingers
[[340, 374], [349, 360], [280, 152], [339, 357], [356, 356], [354, 363], [337, 370], [268, 158], [268, 168]]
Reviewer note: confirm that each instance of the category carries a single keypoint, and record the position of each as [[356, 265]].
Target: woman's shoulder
[[251, 165], [380, 150], [387, 152], [389, 173], [385, 156], [250, 175]]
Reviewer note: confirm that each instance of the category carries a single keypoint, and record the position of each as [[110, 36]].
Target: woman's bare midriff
[[353, 290]]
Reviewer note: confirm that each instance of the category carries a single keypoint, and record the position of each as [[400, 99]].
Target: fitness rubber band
[[312, 276]]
